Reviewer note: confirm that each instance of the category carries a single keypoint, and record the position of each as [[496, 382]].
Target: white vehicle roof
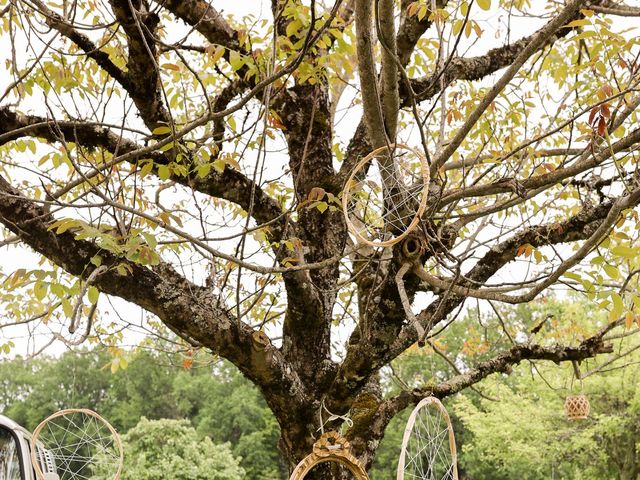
[[11, 425]]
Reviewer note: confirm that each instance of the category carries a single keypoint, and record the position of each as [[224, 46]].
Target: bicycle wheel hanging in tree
[[76, 444], [428, 446], [386, 195]]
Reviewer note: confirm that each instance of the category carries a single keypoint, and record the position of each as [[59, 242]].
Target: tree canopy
[[172, 449], [192, 162]]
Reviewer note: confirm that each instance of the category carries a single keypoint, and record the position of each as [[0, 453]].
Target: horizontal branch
[[587, 161], [230, 184], [190, 310], [609, 7], [205, 19], [509, 253], [502, 363]]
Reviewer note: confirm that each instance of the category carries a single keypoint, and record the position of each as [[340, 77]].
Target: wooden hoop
[[36, 433], [426, 402], [336, 451], [424, 170]]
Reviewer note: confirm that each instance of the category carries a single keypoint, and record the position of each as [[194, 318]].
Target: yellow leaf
[[578, 23], [146, 169], [413, 8], [628, 320], [484, 4], [216, 54], [171, 66], [162, 130], [322, 206]]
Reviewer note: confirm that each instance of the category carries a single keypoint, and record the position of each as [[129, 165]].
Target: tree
[[172, 449], [191, 163], [515, 426], [530, 425], [214, 397]]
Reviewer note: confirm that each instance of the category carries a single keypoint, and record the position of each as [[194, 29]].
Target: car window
[[10, 468]]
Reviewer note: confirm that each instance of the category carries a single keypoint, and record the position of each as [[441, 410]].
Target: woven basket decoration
[[576, 407], [330, 447]]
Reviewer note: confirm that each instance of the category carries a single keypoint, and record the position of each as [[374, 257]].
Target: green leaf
[[203, 170], [40, 289], [612, 271], [624, 251], [67, 308], [219, 165], [293, 27], [618, 305], [96, 260], [231, 122], [146, 169], [578, 23], [150, 239], [66, 225], [322, 206], [93, 293], [163, 172], [235, 60], [57, 290], [115, 365], [573, 276]]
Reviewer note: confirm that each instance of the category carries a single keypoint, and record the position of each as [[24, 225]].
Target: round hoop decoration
[[372, 211], [75, 444], [330, 447], [424, 454]]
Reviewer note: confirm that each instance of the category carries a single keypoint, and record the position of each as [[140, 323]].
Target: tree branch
[[609, 7], [140, 26], [192, 311], [206, 20], [537, 41], [412, 28], [502, 363], [230, 184]]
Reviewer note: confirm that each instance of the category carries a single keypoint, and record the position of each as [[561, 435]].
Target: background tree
[[190, 163], [220, 404], [172, 449], [514, 425]]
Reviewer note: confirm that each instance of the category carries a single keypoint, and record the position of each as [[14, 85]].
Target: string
[[380, 209], [428, 453], [332, 417], [81, 446]]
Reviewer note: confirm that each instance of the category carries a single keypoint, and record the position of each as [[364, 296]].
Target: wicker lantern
[[330, 447], [576, 407]]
